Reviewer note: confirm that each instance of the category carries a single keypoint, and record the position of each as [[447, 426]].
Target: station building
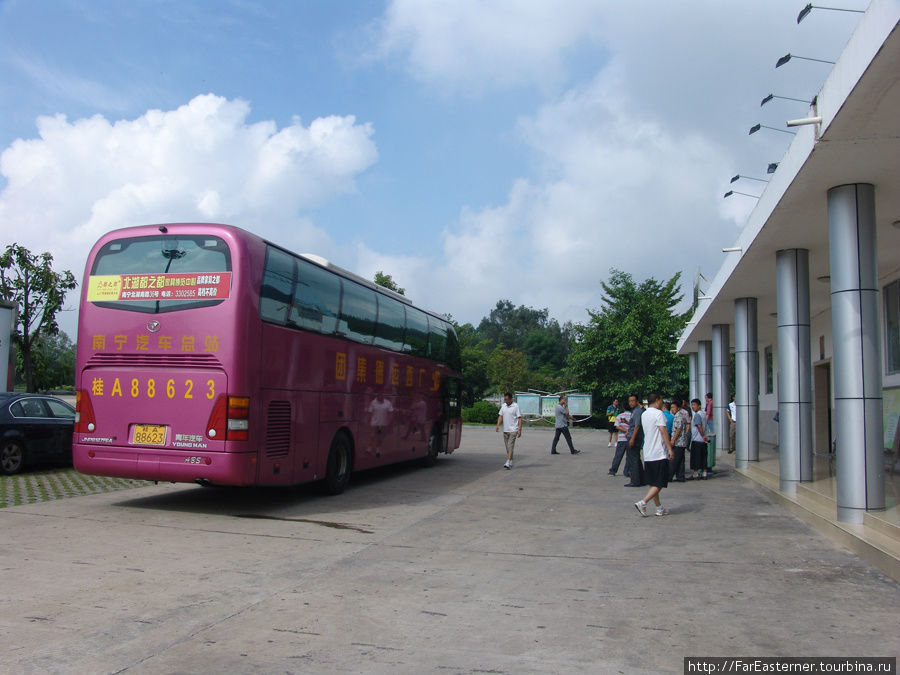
[[808, 303]]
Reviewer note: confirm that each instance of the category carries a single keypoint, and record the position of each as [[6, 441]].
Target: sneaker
[[609, 445], [508, 465], [554, 452], [662, 511], [641, 506], [576, 452]]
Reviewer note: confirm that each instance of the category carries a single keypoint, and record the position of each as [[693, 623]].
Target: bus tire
[[435, 441], [12, 457], [340, 465]]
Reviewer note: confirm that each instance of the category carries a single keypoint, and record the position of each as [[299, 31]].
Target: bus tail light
[[84, 413], [229, 419]]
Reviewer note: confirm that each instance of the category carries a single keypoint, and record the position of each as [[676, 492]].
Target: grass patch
[[59, 483]]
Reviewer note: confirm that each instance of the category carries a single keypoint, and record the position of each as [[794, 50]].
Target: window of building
[[892, 327], [770, 370]]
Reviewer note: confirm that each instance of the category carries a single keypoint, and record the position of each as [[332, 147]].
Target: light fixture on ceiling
[[735, 192], [736, 178], [787, 57], [757, 127], [810, 7]]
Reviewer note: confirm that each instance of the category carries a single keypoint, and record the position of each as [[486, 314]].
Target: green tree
[[507, 370], [52, 362], [29, 281], [387, 281], [627, 344]]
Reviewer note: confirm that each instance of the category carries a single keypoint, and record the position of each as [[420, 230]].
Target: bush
[[483, 412]]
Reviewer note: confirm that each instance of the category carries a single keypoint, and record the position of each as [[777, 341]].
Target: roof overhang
[[858, 141]]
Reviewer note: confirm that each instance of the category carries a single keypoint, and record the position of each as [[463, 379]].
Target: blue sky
[[474, 149]]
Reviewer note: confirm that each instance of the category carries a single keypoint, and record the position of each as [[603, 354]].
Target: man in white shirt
[[511, 418], [731, 411], [657, 453]]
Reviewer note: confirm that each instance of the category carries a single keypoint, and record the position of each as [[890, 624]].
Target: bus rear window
[[161, 273]]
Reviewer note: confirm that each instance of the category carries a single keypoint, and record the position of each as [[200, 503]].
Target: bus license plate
[[148, 434]]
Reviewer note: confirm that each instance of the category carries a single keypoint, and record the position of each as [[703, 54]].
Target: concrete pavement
[[464, 567]]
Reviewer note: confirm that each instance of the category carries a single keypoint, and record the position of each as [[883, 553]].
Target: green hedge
[[483, 412]]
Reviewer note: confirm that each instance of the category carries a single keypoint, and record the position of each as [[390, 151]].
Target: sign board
[[548, 405], [580, 405], [529, 404]]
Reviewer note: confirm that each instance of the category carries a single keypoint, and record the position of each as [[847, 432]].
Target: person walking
[[731, 411], [511, 418], [612, 411], [562, 426], [633, 468], [622, 421], [681, 429], [699, 439], [657, 454], [709, 413]]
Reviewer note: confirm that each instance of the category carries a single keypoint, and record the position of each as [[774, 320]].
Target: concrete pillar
[[721, 384], [746, 381], [693, 377], [857, 350], [794, 368], [704, 368]]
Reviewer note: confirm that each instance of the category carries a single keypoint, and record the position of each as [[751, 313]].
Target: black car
[[34, 428]]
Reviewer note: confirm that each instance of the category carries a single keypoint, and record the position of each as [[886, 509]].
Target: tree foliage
[[507, 370], [52, 362], [28, 280], [627, 344], [387, 281]]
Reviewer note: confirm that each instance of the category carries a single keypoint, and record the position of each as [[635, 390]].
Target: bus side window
[[437, 339], [391, 324], [453, 354], [277, 286], [317, 299], [358, 313], [416, 332]]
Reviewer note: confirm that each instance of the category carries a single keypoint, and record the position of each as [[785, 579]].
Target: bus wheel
[[340, 464], [12, 457], [434, 447]]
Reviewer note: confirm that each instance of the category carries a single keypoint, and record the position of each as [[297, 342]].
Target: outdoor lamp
[[769, 97], [787, 57], [735, 192], [757, 127], [740, 175], [773, 166], [810, 7]]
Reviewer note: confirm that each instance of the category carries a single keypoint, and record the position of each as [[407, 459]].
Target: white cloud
[[614, 190], [203, 161], [468, 45]]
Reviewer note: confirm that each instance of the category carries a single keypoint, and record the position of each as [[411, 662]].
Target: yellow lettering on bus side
[[395, 374], [361, 367], [190, 387], [117, 388], [142, 343], [379, 372], [340, 366], [211, 343], [211, 390], [98, 342], [151, 388], [187, 343], [170, 388], [409, 376], [120, 341], [97, 386], [435, 380], [165, 342], [135, 387]]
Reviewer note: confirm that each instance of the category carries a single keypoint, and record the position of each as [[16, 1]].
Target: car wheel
[[12, 457], [340, 465]]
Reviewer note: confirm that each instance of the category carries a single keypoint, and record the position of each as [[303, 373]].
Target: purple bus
[[208, 354]]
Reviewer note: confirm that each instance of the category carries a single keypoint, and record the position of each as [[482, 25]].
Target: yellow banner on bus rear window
[[192, 286]]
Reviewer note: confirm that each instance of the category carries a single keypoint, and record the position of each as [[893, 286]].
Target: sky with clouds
[[474, 150]]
